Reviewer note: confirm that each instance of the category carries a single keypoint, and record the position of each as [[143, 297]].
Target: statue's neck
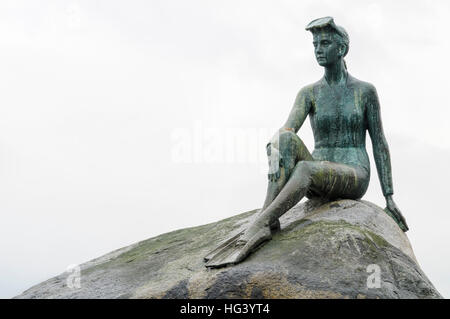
[[336, 73]]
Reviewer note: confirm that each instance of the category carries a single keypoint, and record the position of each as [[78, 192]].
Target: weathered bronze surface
[[341, 109]]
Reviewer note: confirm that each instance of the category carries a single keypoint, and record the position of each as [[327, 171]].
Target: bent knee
[[288, 135], [288, 140]]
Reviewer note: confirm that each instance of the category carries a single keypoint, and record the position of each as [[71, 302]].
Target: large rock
[[324, 250]]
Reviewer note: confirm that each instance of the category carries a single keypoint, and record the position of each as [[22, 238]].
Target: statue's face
[[327, 50]]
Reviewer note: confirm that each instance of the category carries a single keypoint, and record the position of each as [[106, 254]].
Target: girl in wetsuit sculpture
[[341, 109]]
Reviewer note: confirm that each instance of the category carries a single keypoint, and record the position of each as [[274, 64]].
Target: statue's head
[[331, 42]]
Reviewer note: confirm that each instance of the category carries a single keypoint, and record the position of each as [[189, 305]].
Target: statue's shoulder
[[309, 90], [365, 87], [315, 85]]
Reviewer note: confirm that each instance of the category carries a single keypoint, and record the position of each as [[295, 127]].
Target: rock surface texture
[[324, 250]]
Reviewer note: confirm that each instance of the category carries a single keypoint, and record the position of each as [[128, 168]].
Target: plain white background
[[122, 120]]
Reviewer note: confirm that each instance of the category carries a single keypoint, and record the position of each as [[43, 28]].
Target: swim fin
[[234, 250]]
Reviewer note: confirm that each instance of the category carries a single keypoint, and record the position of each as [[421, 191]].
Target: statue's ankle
[[275, 226]]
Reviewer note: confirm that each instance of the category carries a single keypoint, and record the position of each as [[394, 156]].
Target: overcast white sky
[[122, 120]]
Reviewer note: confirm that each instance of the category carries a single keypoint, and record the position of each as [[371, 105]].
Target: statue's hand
[[393, 211], [274, 162]]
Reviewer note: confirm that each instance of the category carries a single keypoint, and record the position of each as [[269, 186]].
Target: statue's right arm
[[299, 111], [295, 120], [297, 116]]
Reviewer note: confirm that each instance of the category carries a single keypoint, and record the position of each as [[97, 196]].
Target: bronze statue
[[341, 109]]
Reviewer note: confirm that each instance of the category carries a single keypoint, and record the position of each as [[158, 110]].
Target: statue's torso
[[338, 122]]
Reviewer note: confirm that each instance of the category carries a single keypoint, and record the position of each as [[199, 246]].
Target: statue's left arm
[[382, 156]]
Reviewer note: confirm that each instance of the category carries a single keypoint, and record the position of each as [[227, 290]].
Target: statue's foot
[[238, 247]]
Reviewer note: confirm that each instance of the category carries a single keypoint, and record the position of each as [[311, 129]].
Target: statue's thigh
[[335, 180]]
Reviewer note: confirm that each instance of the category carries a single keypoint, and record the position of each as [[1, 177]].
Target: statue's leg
[[330, 180], [291, 149], [293, 191], [326, 179]]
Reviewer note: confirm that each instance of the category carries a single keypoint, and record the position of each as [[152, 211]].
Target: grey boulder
[[339, 249]]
